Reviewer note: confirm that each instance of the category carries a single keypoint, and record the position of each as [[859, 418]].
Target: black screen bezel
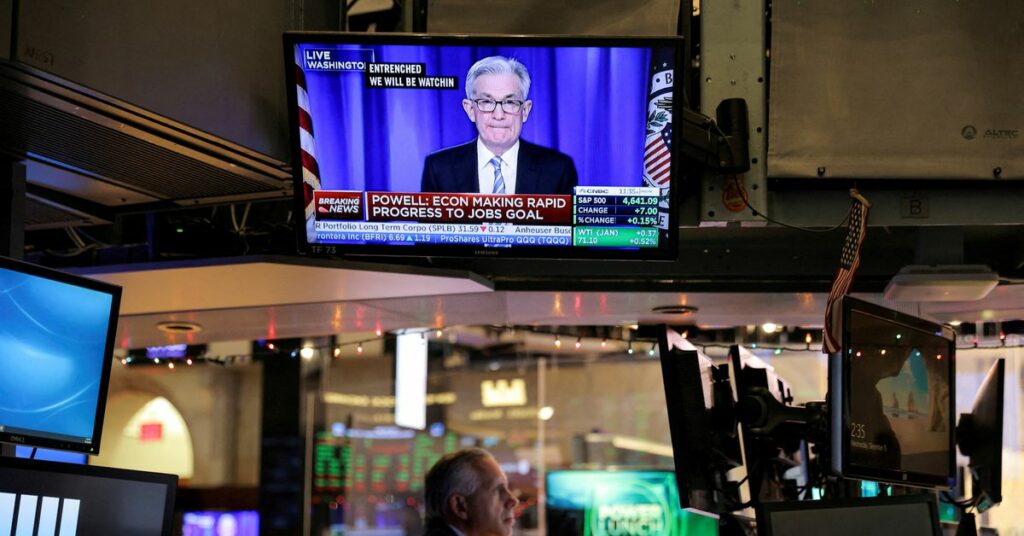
[[35, 440], [170, 481], [667, 251], [766, 509], [906, 478]]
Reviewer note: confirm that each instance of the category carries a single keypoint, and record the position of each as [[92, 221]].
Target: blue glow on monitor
[[49, 455], [869, 488], [237, 523]]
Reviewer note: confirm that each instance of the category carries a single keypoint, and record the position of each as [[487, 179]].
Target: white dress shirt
[[485, 171]]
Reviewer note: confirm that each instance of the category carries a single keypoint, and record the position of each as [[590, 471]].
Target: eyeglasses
[[508, 106]]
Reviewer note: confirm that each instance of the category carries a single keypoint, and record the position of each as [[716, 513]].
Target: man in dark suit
[[467, 494], [498, 161]]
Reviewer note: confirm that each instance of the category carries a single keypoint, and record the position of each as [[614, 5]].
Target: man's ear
[[458, 507], [470, 108], [527, 106]]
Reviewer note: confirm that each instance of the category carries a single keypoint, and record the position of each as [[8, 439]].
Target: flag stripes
[[310, 169], [849, 261]]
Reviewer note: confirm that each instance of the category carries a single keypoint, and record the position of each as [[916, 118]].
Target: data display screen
[[899, 397]]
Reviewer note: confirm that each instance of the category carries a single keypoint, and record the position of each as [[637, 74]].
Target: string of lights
[[341, 350]]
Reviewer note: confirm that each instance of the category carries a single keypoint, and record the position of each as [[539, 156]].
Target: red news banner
[[444, 207]]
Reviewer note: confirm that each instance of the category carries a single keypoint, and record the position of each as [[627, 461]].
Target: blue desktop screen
[[53, 344]]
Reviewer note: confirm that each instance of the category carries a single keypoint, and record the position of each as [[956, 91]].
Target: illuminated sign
[[630, 519], [500, 414], [383, 401], [498, 393]]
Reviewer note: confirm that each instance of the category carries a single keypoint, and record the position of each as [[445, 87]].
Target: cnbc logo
[[56, 516]]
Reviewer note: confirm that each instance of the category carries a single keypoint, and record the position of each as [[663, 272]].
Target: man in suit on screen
[[498, 161]]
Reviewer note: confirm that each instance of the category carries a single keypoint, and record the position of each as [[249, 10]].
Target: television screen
[[893, 398], [607, 503], [907, 515], [39, 497], [56, 340], [471, 145], [217, 523]]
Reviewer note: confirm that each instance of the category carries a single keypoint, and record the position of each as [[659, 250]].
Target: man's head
[[496, 101], [468, 490]]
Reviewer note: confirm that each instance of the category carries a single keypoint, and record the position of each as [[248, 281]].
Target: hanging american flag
[[848, 263], [310, 169], [658, 138]]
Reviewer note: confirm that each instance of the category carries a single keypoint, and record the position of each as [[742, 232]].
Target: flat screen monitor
[[486, 146], [906, 515], [704, 444], [892, 398], [612, 503], [56, 341], [980, 436], [39, 497], [221, 523]]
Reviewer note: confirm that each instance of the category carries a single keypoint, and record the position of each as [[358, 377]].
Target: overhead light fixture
[[919, 283], [177, 326], [674, 309]]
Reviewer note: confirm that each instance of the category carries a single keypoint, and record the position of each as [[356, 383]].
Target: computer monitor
[[775, 448], [892, 398], [980, 437], [56, 342], [39, 497], [704, 445], [906, 515], [391, 156], [612, 503]]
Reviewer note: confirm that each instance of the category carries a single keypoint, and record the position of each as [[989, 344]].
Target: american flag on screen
[[310, 169], [658, 136], [848, 263], [658, 158]]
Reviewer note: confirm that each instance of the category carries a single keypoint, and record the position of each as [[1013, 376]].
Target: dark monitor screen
[[986, 438], [705, 440], [439, 145], [56, 341], [66, 499], [907, 515], [893, 398]]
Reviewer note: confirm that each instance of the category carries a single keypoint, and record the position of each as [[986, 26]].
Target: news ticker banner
[[622, 217], [589, 206]]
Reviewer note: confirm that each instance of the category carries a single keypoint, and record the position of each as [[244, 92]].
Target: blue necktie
[[499, 181]]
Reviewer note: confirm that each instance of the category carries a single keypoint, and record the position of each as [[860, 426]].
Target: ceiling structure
[[275, 297]]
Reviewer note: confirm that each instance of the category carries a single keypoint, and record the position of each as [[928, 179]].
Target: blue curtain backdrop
[[590, 103]]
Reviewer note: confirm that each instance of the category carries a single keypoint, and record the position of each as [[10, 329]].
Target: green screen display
[[616, 503]]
